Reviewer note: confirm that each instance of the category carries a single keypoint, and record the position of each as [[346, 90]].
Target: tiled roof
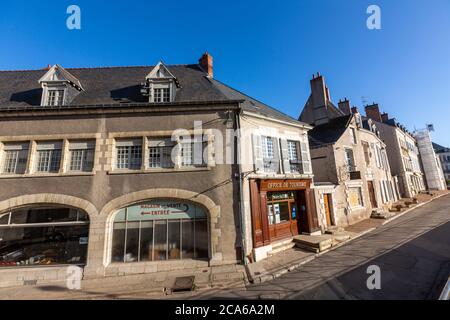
[[330, 132], [115, 85]]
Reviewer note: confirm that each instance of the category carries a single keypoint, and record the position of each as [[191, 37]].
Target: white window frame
[[126, 151], [85, 150], [19, 160], [48, 157], [47, 93]]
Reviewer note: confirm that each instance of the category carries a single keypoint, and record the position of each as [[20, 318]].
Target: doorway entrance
[[327, 206], [373, 199], [283, 214]]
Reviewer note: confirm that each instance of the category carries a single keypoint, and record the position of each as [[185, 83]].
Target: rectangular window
[[350, 160], [129, 154], [366, 149], [160, 153], [81, 156], [270, 154], [194, 152], [295, 164], [161, 95], [355, 197], [15, 158], [353, 135], [55, 97], [48, 156]]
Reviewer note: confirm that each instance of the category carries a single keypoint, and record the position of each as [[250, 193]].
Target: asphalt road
[[412, 252]]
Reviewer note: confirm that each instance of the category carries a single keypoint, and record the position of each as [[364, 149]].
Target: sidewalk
[[291, 259], [156, 285]]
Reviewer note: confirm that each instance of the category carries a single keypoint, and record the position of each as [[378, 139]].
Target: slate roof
[[115, 85], [440, 149], [330, 132]]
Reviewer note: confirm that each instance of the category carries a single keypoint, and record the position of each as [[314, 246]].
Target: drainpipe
[[241, 183]]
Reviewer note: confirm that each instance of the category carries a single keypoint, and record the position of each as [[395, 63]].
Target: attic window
[[55, 98], [161, 94]]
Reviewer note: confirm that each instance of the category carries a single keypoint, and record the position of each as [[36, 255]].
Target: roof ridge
[[103, 67]]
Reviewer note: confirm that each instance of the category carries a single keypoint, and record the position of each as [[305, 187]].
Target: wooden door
[[326, 204], [373, 199]]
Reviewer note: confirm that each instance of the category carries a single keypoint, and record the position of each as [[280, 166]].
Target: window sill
[[46, 175], [147, 171]]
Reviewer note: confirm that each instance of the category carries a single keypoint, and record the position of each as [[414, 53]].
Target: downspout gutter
[[241, 184]]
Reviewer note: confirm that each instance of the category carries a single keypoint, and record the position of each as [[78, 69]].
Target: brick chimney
[[319, 91], [206, 62], [373, 112], [355, 110], [385, 117], [344, 106]]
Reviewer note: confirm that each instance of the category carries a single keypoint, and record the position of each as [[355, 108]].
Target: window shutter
[[306, 161], [285, 156], [276, 155], [257, 153]]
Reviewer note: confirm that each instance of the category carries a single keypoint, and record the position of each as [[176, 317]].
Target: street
[[412, 252]]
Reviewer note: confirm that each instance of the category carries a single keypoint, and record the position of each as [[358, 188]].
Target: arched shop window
[[42, 236], [158, 230]]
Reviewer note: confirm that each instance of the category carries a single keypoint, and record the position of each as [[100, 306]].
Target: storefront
[[281, 209], [159, 230], [43, 236]]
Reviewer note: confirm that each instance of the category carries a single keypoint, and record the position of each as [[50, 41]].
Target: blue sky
[[267, 49]]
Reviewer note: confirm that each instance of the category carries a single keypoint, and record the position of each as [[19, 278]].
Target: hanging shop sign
[[160, 209]]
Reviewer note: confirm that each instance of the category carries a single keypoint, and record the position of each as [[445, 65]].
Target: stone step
[[314, 243], [281, 248], [334, 230]]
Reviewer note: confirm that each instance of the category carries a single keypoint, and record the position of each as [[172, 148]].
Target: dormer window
[[161, 85], [55, 98], [59, 87]]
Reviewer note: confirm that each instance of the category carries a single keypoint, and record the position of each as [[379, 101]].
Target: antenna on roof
[[364, 101]]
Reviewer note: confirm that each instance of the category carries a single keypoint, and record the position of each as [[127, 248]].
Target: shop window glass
[[160, 230], [43, 236], [132, 242], [201, 239], [174, 239], [188, 239], [146, 241], [118, 247], [160, 240]]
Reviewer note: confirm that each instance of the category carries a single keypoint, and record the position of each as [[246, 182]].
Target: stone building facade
[[352, 176], [402, 150], [431, 164], [443, 154]]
